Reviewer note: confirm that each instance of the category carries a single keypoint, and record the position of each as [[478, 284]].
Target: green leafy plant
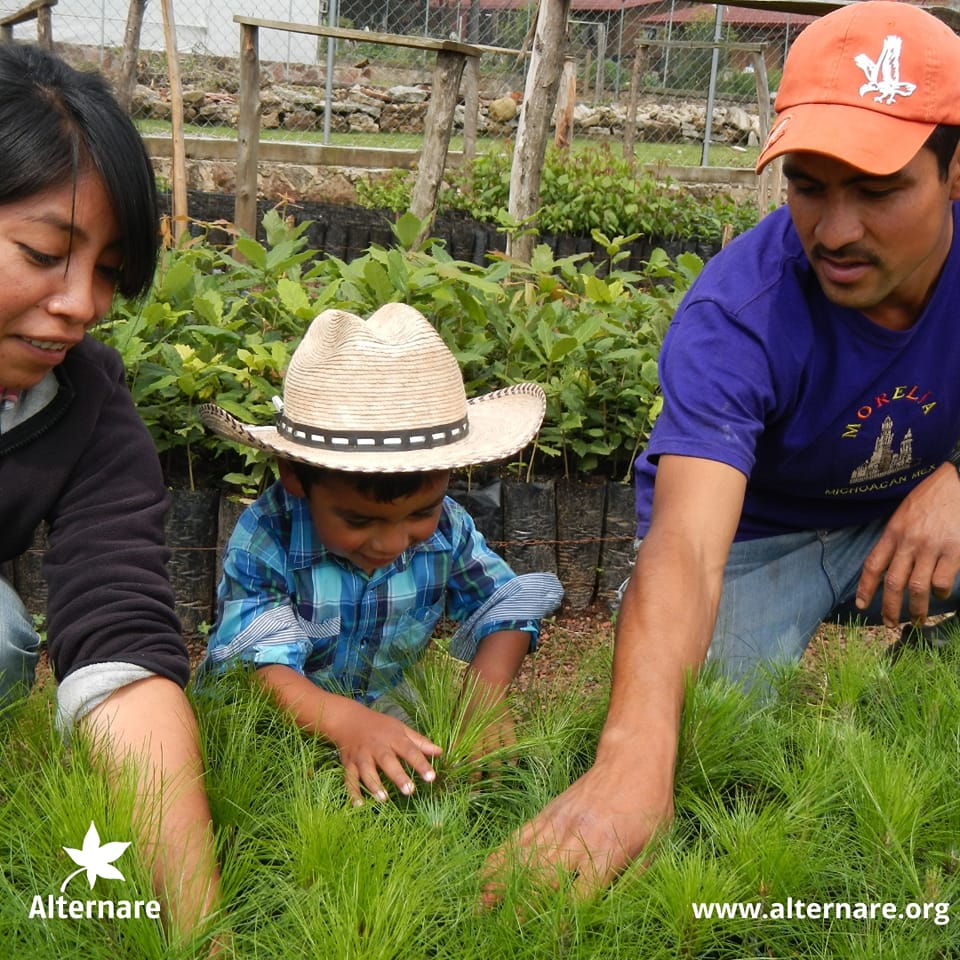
[[221, 323], [391, 191], [580, 192], [218, 325]]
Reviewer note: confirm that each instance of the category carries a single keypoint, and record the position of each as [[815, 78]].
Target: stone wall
[[376, 98], [361, 108], [324, 180], [311, 182]]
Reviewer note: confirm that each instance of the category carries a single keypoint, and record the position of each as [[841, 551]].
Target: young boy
[[335, 578]]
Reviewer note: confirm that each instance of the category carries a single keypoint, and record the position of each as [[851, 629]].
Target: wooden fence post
[[566, 103], [179, 185], [471, 106], [45, 27], [248, 129], [539, 98], [630, 126], [770, 181], [444, 92]]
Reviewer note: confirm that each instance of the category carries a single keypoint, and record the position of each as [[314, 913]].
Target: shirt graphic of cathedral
[[885, 460]]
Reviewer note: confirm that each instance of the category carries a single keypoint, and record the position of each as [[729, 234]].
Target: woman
[[78, 222]]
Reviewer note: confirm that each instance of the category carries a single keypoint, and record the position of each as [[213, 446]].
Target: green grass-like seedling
[[839, 789]]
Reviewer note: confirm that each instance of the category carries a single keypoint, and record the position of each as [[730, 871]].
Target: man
[[803, 468]]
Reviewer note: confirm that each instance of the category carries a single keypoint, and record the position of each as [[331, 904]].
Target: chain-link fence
[[666, 61]]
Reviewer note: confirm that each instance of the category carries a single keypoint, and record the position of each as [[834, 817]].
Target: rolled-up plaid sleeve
[[256, 619]]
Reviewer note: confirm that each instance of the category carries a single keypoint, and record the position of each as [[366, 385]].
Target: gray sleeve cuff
[[79, 692]]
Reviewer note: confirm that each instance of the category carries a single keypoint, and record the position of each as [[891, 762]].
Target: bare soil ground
[[569, 638], [566, 641]]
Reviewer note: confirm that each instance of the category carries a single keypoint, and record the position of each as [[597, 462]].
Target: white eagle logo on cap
[[883, 76]]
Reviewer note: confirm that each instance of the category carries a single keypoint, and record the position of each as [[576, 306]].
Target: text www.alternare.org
[[937, 913]]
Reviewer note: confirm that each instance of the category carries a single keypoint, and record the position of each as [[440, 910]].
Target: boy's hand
[[369, 741], [372, 742], [499, 733], [494, 667]]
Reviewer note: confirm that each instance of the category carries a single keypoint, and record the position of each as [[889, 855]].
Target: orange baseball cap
[[867, 84]]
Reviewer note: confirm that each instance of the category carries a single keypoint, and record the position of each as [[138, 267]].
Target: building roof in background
[[747, 12], [748, 16], [769, 12], [614, 6], [576, 6], [785, 10]]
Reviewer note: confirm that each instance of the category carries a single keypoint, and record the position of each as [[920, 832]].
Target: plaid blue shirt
[[285, 599]]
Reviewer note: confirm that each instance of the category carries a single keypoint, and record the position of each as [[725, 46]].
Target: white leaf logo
[[97, 860]]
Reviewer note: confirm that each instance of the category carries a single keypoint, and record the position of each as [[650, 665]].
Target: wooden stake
[[539, 99], [178, 186]]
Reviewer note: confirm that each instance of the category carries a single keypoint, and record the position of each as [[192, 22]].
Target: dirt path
[[567, 640]]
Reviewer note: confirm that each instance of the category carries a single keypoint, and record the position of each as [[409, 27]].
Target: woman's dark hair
[[943, 142], [57, 123], [382, 487]]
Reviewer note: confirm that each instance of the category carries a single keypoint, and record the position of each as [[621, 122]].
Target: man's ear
[[289, 479]]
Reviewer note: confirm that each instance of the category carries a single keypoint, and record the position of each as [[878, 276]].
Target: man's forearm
[[661, 640]]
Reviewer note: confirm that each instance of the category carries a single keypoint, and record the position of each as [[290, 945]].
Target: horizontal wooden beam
[[704, 45], [279, 151], [30, 12], [365, 36]]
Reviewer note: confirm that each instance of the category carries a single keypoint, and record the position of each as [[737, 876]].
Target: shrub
[[579, 193], [221, 327], [214, 327]]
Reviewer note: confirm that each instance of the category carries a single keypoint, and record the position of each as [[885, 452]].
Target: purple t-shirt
[[832, 418]]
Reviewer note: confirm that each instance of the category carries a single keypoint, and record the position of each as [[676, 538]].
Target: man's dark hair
[[943, 142], [382, 487]]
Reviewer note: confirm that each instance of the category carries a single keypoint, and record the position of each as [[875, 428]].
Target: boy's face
[[368, 533]]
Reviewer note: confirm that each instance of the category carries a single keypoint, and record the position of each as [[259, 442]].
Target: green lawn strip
[[687, 154], [841, 788]]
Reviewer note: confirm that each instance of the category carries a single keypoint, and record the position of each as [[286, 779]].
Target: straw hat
[[385, 395]]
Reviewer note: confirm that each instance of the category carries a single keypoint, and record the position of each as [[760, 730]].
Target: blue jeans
[[777, 591], [19, 644]]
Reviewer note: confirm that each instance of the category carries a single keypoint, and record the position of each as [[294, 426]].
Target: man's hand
[[591, 832], [919, 550], [371, 743], [607, 818]]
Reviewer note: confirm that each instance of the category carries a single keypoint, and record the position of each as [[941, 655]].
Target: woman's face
[[60, 251]]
